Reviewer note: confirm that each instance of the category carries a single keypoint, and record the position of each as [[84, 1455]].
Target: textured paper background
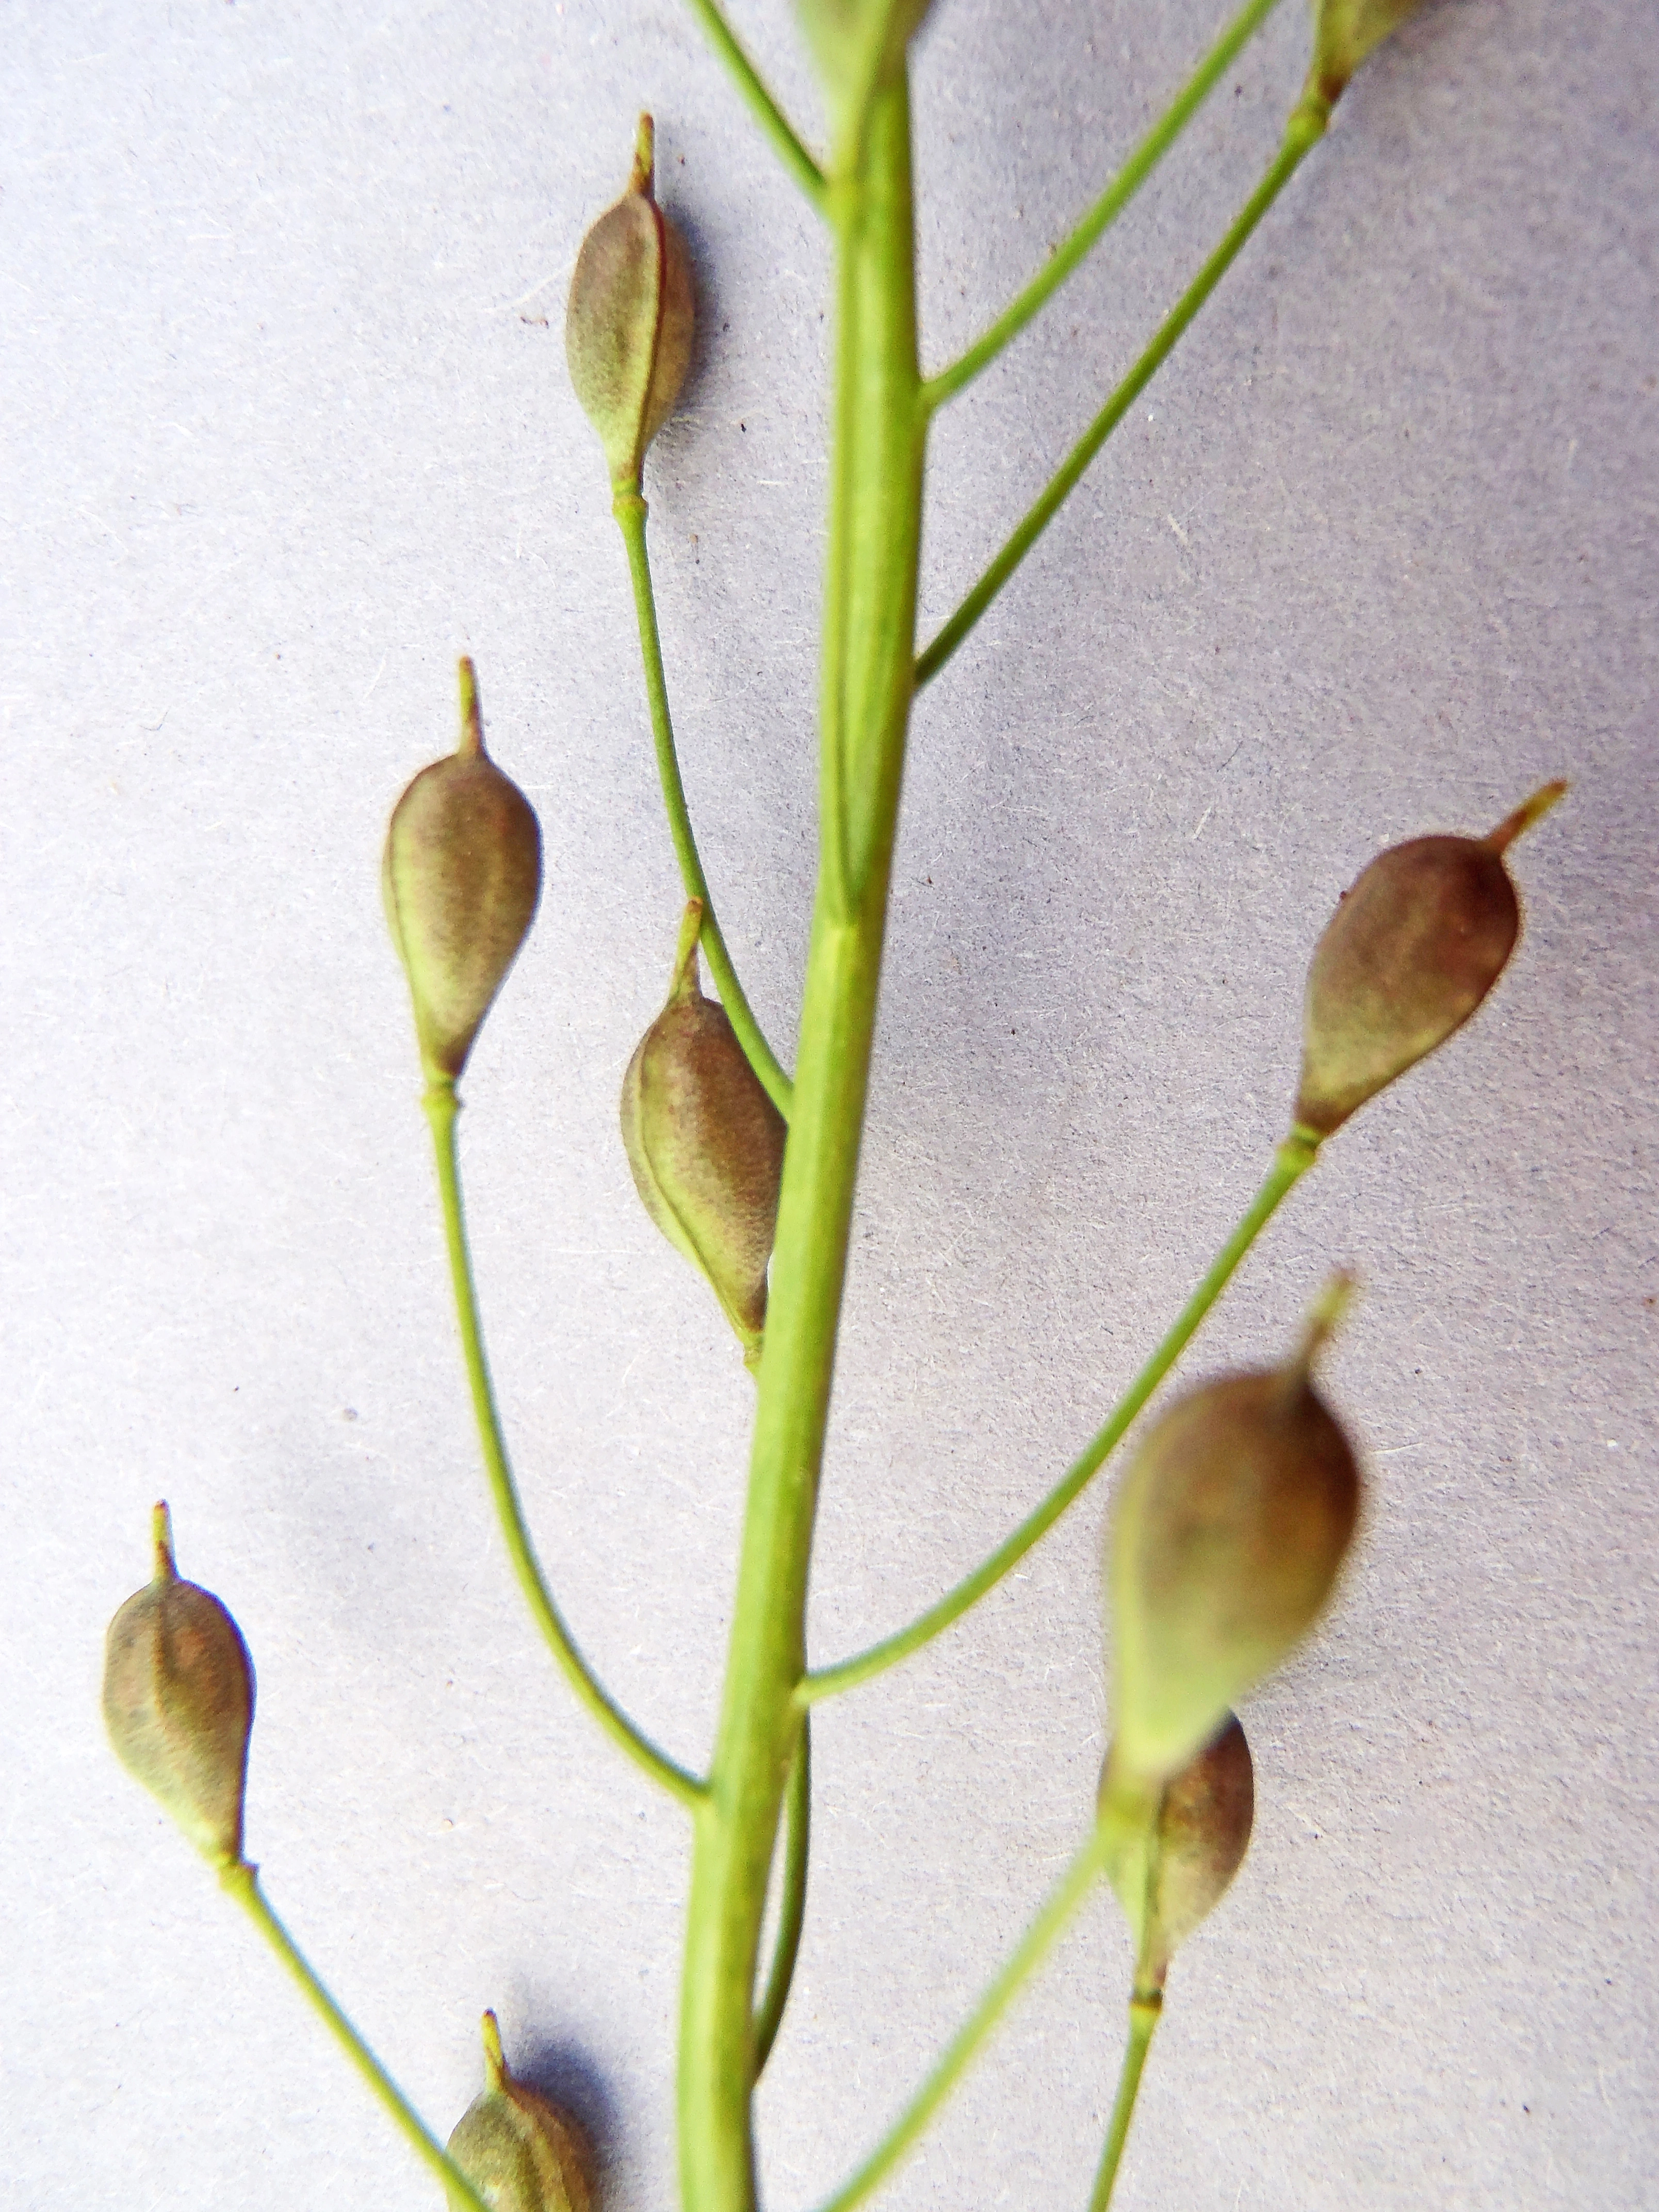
[[287, 427]]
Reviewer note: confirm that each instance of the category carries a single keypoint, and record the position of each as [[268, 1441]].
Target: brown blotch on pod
[[1201, 1830], [517, 2148], [631, 320], [1226, 1538], [1409, 954], [179, 1702], [461, 875], [706, 1144]]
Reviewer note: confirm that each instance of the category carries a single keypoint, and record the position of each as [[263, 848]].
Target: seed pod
[[179, 1702], [1409, 954], [461, 875], [706, 1143], [1199, 1833], [520, 2151], [1229, 1530], [855, 42], [630, 320], [1344, 32]]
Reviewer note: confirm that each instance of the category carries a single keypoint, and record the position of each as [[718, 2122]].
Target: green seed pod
[[706, 1143], [856, 42], [519, 2152], [1344, 32], [1409, 954], [1229, 1530], [630, 321], [461, 875], [179, 1702], [1198, 1835]]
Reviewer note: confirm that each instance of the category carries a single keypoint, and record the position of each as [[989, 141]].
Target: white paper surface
[[289, 428]]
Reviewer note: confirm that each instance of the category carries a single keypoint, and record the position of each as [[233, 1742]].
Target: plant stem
[[874, 537], [442, 1107], [792, 1904], [1145, 2009], [1106, 210], [1034, 1946], [1304, 131], [1290, 1162], [241, 1882], [766, 110], [630, 512]]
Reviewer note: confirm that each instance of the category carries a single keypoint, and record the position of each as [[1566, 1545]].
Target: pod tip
[[1324, 1317], [161, 1530], [1529, 810], [686, 982], [643, 176], [471, 743]]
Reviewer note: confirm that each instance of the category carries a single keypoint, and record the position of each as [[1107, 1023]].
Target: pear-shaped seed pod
[[706, 1143], [1228, 1533], [1201, 1831], [631, 320], [461, 875], [1409, 954], [179, 1702], [519, 2150], [1344, 32], [855, 41]]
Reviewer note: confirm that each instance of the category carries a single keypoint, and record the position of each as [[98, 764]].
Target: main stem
[[870, 601]]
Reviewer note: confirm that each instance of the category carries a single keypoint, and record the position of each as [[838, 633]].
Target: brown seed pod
[[631, 320], [517, 2148], [1228, 1533], [179, 1702], [461, 875], [1199, 1833], [706, 1143], [1409, 954]]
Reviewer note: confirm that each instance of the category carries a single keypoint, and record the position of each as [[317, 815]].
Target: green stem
[[241, 1882], [1290, 1162], [1143, 2014], [766, 110], [630, 512], [875, 528], [792, 1904], [1142, 2018], [1106, 210], [1034, 1946], [1306, 127], [442, 1107]]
